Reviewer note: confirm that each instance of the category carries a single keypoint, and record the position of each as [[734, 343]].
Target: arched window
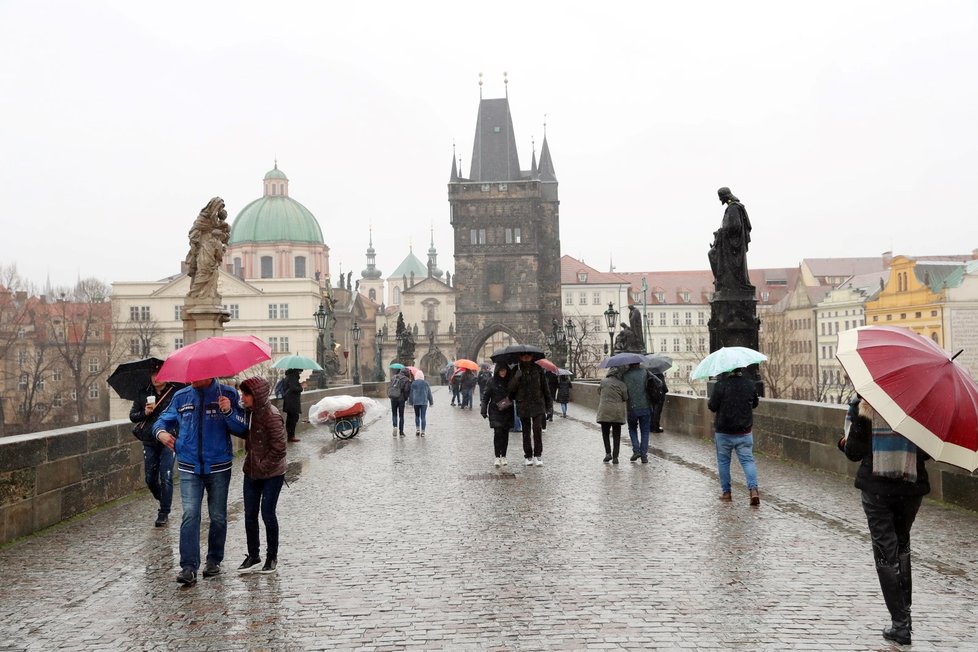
[[936, 339], [372, 294], [397, 296], [237, 268], [266, 267], [300, 266]]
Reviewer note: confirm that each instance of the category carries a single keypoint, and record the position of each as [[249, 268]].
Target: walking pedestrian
[[612, 412], [157, 458], [498, 408], [657, 398], [893, 479], [639, 413], [420, 396], [455, 383], [528, 388], [553, 382], [563, 394], [264, 473], [292, 402], [734, 399], [398, 391], [485, 375], [468, 382], [197, 426]]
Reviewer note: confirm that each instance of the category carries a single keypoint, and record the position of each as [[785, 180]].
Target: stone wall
[[797, 431], [47, 477]]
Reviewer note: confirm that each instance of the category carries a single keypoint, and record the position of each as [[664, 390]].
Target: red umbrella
[[214, 357], [548, 365], [917, 388], [466, 364]]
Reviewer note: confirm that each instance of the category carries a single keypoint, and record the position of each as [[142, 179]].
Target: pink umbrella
[[214, 357], [548, 365], [417, 373]]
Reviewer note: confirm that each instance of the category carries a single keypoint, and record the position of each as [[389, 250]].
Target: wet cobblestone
[[419, 543]]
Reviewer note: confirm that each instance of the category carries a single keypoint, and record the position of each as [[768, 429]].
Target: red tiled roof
[[699, 283], [570, 267]]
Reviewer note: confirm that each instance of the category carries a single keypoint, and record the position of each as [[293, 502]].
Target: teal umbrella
[[726, 359], [396, 365], [296, 362]]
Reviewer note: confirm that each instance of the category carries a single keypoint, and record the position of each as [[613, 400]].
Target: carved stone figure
[[405, 339], [208, 240], [638, 331], [349, 276], [625, 339], [728, 253]]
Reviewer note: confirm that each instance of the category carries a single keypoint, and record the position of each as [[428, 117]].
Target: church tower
[[371, 281], [507, 240]]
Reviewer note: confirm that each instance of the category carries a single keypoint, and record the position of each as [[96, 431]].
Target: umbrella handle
[[956, 355]]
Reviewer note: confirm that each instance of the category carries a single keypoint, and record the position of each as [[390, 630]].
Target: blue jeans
[[158, 466], [744, 446], [467, 397], [397, 410], [192, 488], [517, 424], [420, 412], [262, 495], [639, 420]]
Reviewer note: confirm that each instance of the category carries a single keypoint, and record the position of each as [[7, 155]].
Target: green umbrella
[[396, 365], [296, 362], [726, 359]]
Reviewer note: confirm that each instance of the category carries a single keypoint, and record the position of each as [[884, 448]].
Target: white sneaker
[[505, 461], [537, 461], [529, 461], [499, 461], [422, 433], [395, 432]]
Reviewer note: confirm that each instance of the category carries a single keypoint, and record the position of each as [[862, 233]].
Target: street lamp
[[380, 375], [611, 318], [320, 317], [356, 353], [571, 336]]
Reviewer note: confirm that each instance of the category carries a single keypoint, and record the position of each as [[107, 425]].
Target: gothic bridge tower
[[507, 240]]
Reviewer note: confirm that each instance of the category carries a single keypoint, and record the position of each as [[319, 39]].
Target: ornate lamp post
[[611, 318], [356, 353], [571, 331], [320, 317], [379, 374]]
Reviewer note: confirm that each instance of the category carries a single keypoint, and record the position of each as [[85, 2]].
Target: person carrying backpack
[[656, 388], [398, 391]]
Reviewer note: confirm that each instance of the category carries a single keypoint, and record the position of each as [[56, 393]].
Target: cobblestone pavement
[[412, 543]]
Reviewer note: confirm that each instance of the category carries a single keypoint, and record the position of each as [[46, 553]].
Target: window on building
[[508, 236], [278, 311], [21, 333], [876, 317], [372, 295], [273, 311], [279, 344], [93, 365], [397, 295], [22, 357], [134, 348], [675, 319], [93, 391], [685, 296], [238, 269], [662, 319], [582, 298], [57, 401], [701, 318], [568, 299], [517, 235], [596, 299], [903, 315], [177, 313], [139, 313], [56, 375], [22, 383], [177, 343], [917, 315], [266, 267], [689, 344], [300, 266], [889, 318], [663, 344], [233, 310], [689, 319], [702, 345], [675, 344], [933, 313]]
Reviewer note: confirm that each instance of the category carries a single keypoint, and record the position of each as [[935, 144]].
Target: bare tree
[[775, 342], [584, 354], [15, 323]]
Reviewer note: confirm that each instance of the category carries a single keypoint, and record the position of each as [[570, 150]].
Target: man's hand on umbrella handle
[[224, 403], [166, 439]]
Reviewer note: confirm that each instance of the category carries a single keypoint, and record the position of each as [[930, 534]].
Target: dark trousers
[[500, 441], [262, 496], [158, 468], [533, 448], [397, 413], [611, 432], [657, 414], [291, 419], [890, 519]]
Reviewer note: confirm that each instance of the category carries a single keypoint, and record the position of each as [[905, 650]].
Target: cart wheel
[[345, 429]]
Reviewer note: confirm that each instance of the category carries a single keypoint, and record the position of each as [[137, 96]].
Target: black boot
[[906, 583], [899, 629]]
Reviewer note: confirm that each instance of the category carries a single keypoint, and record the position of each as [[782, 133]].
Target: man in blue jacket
[[197, 426]]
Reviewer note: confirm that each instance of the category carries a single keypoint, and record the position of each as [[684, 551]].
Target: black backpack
[[394, 387], [655, 388]]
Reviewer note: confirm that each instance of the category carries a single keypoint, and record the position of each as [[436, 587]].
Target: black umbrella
[[510, 354], [131, 379]]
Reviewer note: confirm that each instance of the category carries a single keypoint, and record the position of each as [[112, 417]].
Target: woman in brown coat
[[612, 412], [264, 472]]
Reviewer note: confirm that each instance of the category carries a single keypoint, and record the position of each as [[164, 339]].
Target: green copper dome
[[275, 217]]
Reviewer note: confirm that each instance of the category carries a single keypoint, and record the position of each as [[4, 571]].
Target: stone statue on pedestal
[[208, 240], [638, 332], [728, 253], [405, 341], [625, 340]]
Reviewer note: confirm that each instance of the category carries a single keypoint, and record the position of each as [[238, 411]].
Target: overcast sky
[[846, 128]]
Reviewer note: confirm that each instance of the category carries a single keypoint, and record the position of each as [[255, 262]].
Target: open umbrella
[[214, 357], [417, 373], [726, 359], [296, 362], [548, 365], [621, 360], [466, 364], [564, 372], [510, 354], [396, 365], [917, 388], [130, 379], [657, 362]]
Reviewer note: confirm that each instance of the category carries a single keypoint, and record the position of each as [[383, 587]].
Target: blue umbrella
[[396, 365], [296, 362], [726, 359], [621, 360]]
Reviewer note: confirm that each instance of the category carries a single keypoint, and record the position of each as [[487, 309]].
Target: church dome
[[275, 217]]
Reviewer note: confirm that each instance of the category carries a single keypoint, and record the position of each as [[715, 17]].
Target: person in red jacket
[[264, 472]]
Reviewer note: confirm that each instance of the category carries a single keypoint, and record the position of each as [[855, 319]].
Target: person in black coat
[[657, 399], [292, 402], [563, 393], [893, 479], [500, 418], [534, 401], [157, 458], [734, 399]]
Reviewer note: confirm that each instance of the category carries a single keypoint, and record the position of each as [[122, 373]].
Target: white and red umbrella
[[918, 388]]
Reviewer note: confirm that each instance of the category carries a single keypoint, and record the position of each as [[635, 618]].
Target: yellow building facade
[[914, 297]]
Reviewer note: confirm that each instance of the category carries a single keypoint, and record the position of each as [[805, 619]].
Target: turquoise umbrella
[[396, 365], [726, 359], [296, 362]]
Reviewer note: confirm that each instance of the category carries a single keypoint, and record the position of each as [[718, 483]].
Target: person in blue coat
[[420, 398], [197, 425]]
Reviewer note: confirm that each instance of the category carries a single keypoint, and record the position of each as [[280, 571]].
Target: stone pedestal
[[734, 322], [202, 320]]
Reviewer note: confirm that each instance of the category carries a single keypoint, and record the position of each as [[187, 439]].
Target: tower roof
[[411, 263], [275, 173], [546, 163], [494, 156], [275, 217]]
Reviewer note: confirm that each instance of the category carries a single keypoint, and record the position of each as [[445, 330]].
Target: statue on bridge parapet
[[626, 340], [209, 237], [728, 252]]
